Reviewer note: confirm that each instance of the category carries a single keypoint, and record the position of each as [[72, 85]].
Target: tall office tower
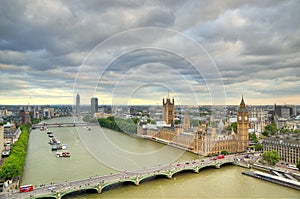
[[77, 104], [94, 106]]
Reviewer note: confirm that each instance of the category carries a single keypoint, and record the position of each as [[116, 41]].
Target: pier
[[273, 178]]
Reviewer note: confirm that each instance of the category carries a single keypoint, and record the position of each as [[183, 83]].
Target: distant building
[[186, 124], [285, 111], [77, 104], [1, 140], [287, 147], [5, 112], [48, 112], [11, 134], [257, 120], [94, 106]]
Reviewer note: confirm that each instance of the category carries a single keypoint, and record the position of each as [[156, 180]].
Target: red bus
[[26, 188], [222, 156]]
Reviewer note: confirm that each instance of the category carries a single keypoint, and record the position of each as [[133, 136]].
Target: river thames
[[103, 151]]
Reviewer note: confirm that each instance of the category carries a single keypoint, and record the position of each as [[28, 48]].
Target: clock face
[[246, 118], [240, 117]]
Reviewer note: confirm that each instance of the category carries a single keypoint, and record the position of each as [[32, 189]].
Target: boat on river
[[64, 154], [5, 153], [61, 146], [52, 141], [87, 128], [54, 147]]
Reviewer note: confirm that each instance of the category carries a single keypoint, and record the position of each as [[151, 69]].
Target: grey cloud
[[45, 42]]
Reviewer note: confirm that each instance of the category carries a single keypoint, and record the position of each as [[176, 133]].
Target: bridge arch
[[46, 197], [78, 192], [226, 163], [207, 166], [144, 178], [195, 170], [112, 185]]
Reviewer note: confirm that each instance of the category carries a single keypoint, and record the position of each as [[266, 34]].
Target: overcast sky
[[134, 52]]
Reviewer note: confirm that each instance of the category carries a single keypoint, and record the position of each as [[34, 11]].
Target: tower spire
[[242, 104]]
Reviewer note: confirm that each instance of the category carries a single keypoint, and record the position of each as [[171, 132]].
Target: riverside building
[[201, 139], [288, 147]]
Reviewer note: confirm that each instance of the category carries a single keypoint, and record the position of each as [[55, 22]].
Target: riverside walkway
[[100, 183]]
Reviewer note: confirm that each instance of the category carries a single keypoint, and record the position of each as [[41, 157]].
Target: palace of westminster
[[200, 140]]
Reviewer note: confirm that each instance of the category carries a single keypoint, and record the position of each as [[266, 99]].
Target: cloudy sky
[[134, 52]]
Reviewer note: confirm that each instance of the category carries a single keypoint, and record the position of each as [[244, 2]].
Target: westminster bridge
[[66, 124], [98, 184]]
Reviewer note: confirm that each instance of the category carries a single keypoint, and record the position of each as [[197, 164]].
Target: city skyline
[[48, 52]]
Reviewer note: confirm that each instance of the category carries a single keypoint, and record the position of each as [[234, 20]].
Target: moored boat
[[5, 153], [54, 147], [63, 154], [52, 141]]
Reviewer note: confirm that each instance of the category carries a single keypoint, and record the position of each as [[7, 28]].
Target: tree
[[270, 129], [35, 121], [272, 157], [118, 124], [258, 147], [224, 152], [296, 131], [232, 126], [13, 165], [283, 130], [177, 122], [298, 164], [253, 137]]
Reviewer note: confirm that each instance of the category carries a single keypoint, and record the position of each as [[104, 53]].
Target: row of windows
[[280, 142], [283, 148], [287, 154]]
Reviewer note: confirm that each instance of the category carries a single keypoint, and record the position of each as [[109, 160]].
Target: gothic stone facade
[[202, 140]]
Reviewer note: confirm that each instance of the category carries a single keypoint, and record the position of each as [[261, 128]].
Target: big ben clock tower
[[242, 127]]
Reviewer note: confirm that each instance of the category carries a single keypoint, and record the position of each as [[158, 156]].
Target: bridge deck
[[98, 183], [70, 124]]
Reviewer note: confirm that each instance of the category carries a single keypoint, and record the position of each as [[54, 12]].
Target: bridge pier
[[99, 188], [58, 195], [137, 182], [218, 166], [170, 175]]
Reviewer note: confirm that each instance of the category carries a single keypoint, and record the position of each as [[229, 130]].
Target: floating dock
[[275, 179]]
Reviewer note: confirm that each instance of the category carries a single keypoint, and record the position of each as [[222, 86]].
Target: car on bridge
[[51, 188]]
